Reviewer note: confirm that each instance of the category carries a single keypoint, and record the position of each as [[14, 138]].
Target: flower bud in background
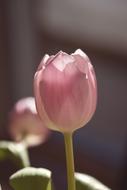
[[25, 125], [65, 90]]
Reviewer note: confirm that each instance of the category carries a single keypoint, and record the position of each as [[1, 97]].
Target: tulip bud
[[25, 125], [65, 90]]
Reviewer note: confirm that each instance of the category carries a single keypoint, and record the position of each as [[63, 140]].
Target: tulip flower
[[25, 125], [66, 95], [65, 90]]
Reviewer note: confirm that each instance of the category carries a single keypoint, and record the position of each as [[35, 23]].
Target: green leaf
[[87, 182], [31, 179], [17, 152]]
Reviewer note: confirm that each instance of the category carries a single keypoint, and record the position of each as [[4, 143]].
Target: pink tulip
[[25, 125], [65, 90]]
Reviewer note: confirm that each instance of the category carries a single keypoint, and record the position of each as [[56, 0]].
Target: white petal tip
[[80, 52], [45, 58]]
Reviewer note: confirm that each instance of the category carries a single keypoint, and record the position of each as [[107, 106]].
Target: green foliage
[[17, 152], [86, 182], [31, 179]]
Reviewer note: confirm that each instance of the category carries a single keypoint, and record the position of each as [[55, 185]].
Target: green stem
[[24, 160], [69, 160], [21, 156]]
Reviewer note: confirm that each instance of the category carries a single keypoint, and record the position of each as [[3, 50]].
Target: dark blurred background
[[28, 30]]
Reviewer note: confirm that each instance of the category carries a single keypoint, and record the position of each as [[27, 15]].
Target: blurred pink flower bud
[[65, 90], [25, 125]]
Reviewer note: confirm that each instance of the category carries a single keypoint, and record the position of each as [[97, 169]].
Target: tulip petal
[[62, 93], [62, 60], [43, 62]]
